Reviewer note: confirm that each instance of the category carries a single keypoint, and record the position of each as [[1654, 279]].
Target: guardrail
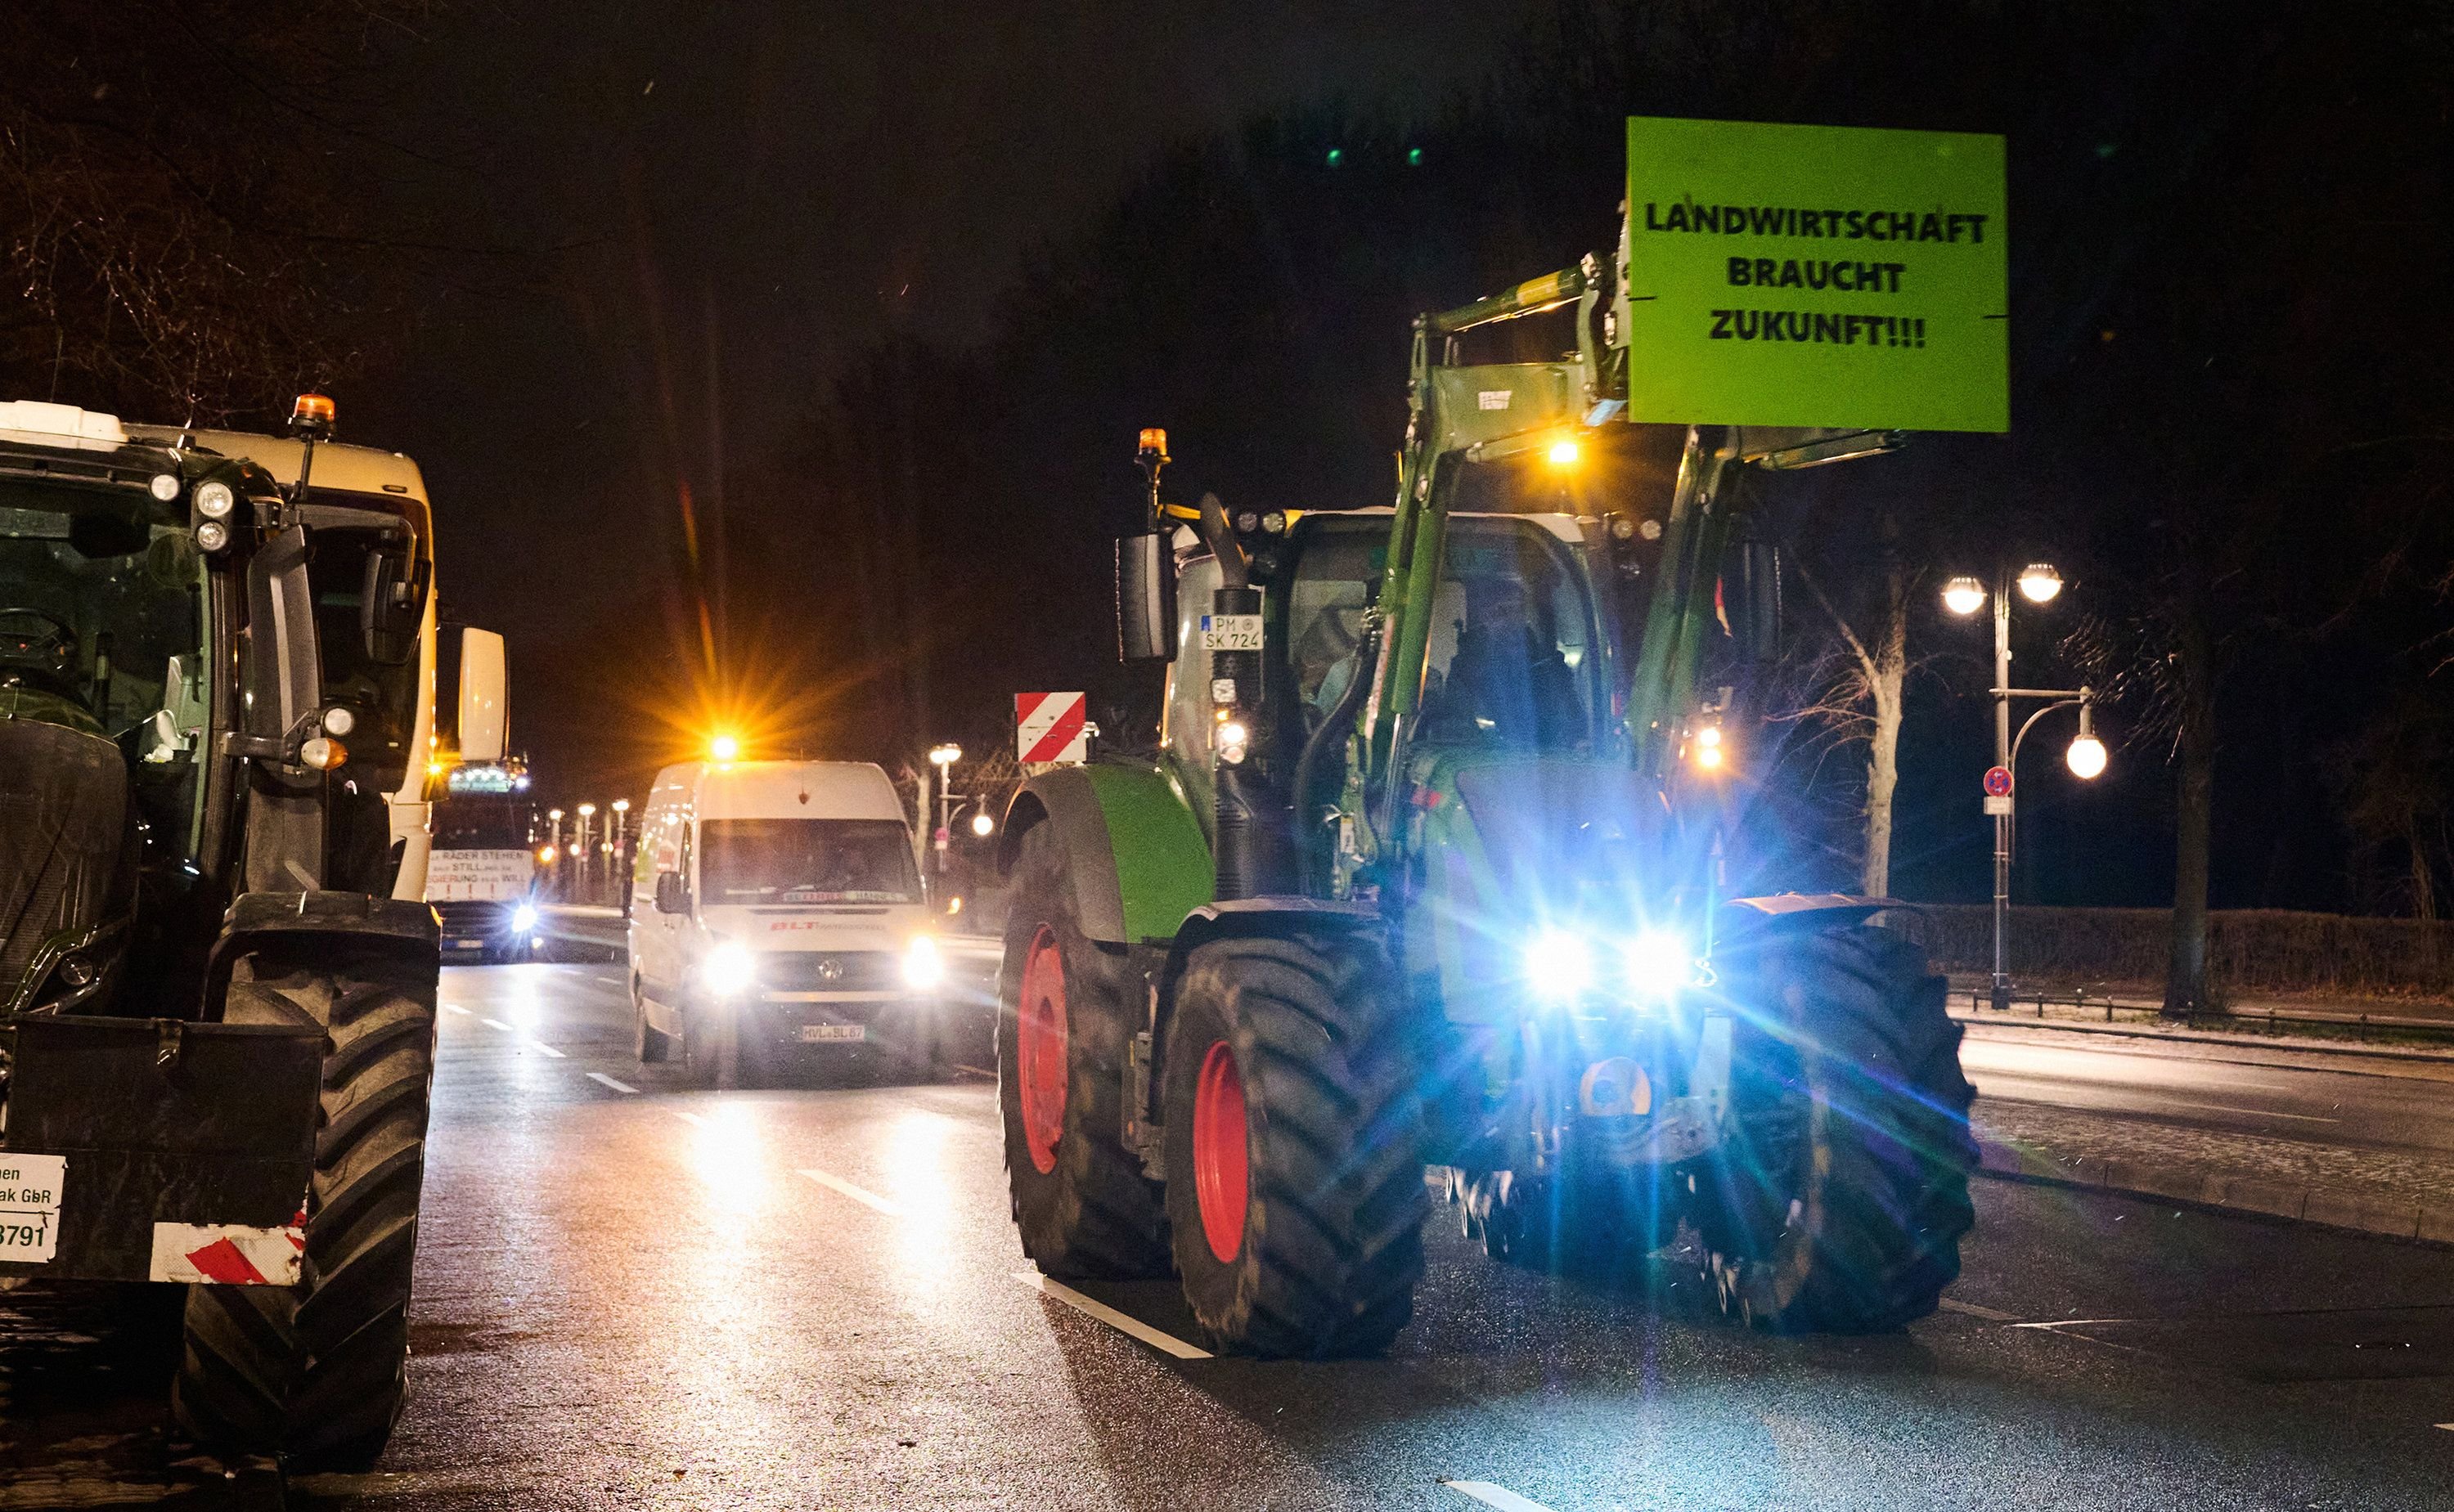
[[2082, 1001]]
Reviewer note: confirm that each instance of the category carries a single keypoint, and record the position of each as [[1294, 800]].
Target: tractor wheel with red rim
[[1294, 1182], [1080, 1200]]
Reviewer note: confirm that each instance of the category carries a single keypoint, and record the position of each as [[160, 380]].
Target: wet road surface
[[634, 1294]]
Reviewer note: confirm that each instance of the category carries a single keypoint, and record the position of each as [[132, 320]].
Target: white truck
[[777, 914]]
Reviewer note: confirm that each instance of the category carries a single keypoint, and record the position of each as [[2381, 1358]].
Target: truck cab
[[776, 913]]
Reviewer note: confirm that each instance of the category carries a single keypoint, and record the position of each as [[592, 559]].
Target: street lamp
[[982, 825], [943, 758], [2040, 584]]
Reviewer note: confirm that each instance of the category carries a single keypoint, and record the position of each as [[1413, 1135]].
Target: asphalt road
[[637, 1295]]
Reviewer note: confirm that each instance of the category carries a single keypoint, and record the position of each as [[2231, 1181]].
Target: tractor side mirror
[[672, 897], [482, 716], [284, 670], [391, 600], [1752, 599], [1145, 599]]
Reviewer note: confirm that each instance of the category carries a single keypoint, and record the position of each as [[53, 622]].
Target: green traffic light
[[1337, 155], [1414, 157]]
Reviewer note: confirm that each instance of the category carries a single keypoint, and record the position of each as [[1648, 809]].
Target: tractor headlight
[[922, 965], [214, 499], [1659, 963], [1560, 965], [524, 919], [729, 970]]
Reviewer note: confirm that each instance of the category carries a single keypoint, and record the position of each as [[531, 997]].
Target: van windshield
[[783, 861]]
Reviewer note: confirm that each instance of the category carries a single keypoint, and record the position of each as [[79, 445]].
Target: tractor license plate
[[833, 1033]]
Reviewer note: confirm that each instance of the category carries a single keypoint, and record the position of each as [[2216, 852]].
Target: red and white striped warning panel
[[230, 1254], [1052, 726]]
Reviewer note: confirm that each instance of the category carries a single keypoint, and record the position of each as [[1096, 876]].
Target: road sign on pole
[[1997, 782], [1052, 726]]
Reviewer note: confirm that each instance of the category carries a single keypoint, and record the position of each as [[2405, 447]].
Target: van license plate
[[833, 1033]]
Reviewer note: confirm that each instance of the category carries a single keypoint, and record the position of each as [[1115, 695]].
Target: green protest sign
[[1816, 275]]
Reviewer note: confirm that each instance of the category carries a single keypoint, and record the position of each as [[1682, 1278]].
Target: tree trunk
[[2187, 987], [1884, 682]]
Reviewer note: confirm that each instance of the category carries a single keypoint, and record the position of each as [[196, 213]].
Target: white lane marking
[[2448, 1426], [2072, 1323], [1989, 1314], [975, 1070], [543, 1049], [687, 1118], [837, 1184], [497, 1024], [1089, 1307], [1498, 1495], [602, 1080], [455, 1008]]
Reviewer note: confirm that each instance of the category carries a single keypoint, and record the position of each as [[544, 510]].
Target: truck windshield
[[790, 861], [101, 610], [1510, 661]]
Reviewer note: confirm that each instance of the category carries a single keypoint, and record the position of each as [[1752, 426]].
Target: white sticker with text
[[29, 1205]]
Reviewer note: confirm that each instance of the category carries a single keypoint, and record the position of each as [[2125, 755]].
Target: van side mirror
[[391, 600], [284, 675], [1145, 598], [483, 720], [1751, 593], [672, 896]]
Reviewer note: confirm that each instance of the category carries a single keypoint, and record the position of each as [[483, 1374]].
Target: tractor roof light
[[725, 747], [165, 487], [1963, 595], [1565, 453], [214, 499]]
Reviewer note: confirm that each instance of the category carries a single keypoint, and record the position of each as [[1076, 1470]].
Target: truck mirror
[[285, 677], [671, 898], [482, 717], [1752, 599], [1145, 599], [390, 602]]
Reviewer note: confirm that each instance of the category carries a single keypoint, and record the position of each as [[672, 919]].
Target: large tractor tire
[[315, 1373], [1294, 1176], [1838, 1200], [1081, 1202]]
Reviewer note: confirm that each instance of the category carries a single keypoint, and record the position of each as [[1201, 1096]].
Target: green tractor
[[1423, 889]]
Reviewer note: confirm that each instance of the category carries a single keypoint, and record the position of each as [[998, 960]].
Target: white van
[[776, 910]]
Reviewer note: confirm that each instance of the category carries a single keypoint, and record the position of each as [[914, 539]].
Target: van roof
[[778, 791]]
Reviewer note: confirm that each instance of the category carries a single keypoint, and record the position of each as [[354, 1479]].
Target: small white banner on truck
[[1052, 726], [478, 876], [29, 1205]]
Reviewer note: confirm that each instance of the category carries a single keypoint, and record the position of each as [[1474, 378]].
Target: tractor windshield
[[1512, 632], [101, 611]]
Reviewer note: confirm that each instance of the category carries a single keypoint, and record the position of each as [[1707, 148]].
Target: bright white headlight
[[214, 499], [1560, 965], [523, 919], [922, 965], [1659, 963], [729, 970]]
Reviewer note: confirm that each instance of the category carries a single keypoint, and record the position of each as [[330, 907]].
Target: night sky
[[744, 195]]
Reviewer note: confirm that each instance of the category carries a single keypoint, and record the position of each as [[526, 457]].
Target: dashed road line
[[497, 1024], [687, 1118], [1134, 1328], [975, 1070], [602, 1080], [837, 1184], [2448, 1426], [1492, 1495], [543, 1049], [1973, 1310], [455, 1008]]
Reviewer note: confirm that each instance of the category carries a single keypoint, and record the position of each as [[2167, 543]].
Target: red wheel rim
[[1039, 1048], [1222, 1175]]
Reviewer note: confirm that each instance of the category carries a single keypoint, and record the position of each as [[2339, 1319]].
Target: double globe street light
[[2040, 584]]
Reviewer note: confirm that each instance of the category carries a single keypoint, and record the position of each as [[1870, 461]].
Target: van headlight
[[524, 919], [729, 970], [922, 964]]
